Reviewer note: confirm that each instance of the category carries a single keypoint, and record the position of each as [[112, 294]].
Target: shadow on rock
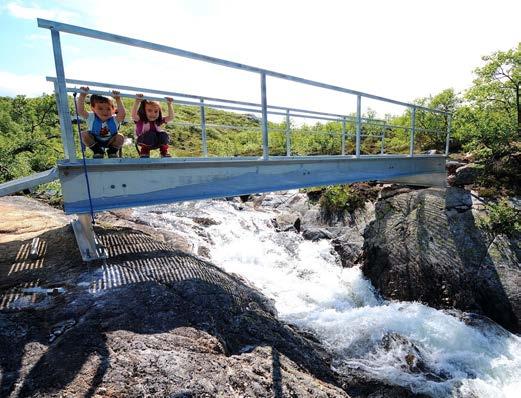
[[151, 320]]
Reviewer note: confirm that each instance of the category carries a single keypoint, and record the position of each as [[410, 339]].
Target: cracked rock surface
[[424, 245]]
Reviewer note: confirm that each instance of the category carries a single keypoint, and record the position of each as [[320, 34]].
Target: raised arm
[[170, 117], [81, 103], [121, 108], [135, 107]]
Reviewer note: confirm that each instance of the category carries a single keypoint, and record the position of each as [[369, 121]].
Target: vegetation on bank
[[501, 218], [486, 126]]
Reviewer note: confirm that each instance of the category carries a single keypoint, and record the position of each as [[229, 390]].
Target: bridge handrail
[[337, 117], [68, 140]]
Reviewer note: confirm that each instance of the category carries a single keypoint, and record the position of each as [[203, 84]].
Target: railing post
[[413, 130], [264, 105], [383, 140], [203, 129], [343, 135], [69, 146], [449, 119], [358, 123], [62, 122], [288, 134]]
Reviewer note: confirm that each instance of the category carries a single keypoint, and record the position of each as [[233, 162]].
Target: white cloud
[[25, 12], [12, 84], [37, 37]]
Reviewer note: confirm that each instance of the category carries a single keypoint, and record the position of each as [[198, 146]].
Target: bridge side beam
[[118, 183]]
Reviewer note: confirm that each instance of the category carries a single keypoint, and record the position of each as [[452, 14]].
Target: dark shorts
[[153, 139], [102, 142]]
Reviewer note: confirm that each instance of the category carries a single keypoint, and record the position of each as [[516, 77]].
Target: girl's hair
[[143, 115]]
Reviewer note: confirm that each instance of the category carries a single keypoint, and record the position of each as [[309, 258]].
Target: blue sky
[[402, 49]]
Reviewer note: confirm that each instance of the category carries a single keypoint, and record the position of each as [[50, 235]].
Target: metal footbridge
[[130, 182]]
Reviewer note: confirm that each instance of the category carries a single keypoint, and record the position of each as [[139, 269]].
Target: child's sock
[[144, 151], [163, 149]]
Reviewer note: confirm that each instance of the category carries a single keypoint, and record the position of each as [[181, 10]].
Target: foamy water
[[407, 344]]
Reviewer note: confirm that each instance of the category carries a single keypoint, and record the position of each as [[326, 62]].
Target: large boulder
[[424, 245]]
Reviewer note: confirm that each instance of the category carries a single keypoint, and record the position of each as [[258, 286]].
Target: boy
[[102, 123]]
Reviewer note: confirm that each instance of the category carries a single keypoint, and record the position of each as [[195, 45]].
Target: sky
[[400, 49]]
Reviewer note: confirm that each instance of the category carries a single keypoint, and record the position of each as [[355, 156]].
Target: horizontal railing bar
[[141, 89], [231, 126], [198, 104], [173, 93], [316, 117], [181, 102], [95, 34]]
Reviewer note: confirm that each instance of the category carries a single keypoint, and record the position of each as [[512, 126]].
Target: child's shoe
[[97, 151], [144, 151], [163, 149], [112, 152]]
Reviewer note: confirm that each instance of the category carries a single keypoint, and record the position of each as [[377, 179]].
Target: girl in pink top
[[148, 119]]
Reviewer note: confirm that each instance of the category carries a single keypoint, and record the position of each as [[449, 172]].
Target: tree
[[433, 126], [29, 135], [497, 89]]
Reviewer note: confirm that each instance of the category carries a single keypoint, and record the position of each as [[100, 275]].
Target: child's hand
[[115, 94], [169, 99], [84, 90], [139, 96]]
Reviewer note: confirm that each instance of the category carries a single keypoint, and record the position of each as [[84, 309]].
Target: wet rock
[[315, 234], [349, 249], [410, 356], [203, 251], [287, 222], [205, 221]]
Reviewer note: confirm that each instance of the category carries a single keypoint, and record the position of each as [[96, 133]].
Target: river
[[402, 343]]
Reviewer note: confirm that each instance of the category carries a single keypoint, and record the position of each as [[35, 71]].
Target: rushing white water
[[408, 344]]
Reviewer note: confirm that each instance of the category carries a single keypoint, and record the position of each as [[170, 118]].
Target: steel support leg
[[90, 248]]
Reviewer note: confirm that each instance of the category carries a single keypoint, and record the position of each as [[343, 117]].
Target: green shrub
[[501, 219], [338, 199]]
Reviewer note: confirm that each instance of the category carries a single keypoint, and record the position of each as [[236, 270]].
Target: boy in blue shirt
[[103, 124]]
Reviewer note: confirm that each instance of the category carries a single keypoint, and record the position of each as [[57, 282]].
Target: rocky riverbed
[[153, 320], [160, 319]]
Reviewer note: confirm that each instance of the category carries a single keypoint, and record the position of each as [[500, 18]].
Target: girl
[[148, 118]]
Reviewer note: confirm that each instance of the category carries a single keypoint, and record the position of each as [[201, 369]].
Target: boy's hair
[[99, 99], [143, 115]]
